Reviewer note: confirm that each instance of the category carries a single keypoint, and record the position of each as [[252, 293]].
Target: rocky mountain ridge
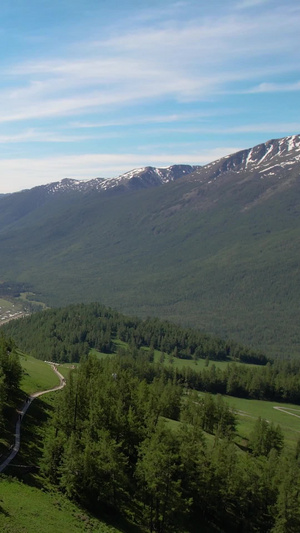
[[274, 158], [261, 171], [139, 178], [276, 152]]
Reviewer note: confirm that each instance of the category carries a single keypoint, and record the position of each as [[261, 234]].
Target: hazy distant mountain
[[215, 247]]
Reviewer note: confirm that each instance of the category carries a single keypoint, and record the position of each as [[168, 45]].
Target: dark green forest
[[128, 435], [68, 334], [65, 334], [10, 376], [112, 447]]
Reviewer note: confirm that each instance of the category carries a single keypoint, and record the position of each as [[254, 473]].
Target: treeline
[[10, 374], [110, 448], [279, 381], [67, 334]]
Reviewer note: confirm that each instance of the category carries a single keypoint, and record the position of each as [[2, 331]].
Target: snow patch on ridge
[[249, 158], [267, 153], [142, 178]]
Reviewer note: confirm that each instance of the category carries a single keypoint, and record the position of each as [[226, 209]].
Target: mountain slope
[[14, 208], [217, 249]]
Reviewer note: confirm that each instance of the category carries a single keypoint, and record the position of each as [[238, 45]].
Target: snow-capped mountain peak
[[138, 178]]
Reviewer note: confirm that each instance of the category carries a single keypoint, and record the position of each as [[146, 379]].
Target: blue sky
[[95, 88]]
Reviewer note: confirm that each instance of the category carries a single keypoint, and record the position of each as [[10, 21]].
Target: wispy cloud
[[36, 135], [192, 61], [245, 4], [155, 119], [275, 87], [286, 128]]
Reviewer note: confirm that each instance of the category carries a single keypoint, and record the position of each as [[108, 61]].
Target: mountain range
[[215, 247]]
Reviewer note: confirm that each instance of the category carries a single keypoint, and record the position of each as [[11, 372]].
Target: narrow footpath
[[22, 412], [287, 410]]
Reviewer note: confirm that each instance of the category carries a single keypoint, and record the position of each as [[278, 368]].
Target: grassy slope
[[194, 365], [37, 375], [26, 509], [249, 410]]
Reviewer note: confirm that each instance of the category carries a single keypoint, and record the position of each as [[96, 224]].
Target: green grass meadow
[[248, 411], [27, 509], [199, 364], [37, 375], [168, 360]]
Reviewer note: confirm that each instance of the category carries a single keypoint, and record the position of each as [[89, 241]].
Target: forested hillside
[[216, 250], [65, 334], [68, 334]]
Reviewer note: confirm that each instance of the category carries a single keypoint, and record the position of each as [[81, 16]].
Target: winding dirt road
[[22, 412]]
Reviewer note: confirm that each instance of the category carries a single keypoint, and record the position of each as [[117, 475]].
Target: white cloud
[[154, 119], [35, 135], [275, 87]]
